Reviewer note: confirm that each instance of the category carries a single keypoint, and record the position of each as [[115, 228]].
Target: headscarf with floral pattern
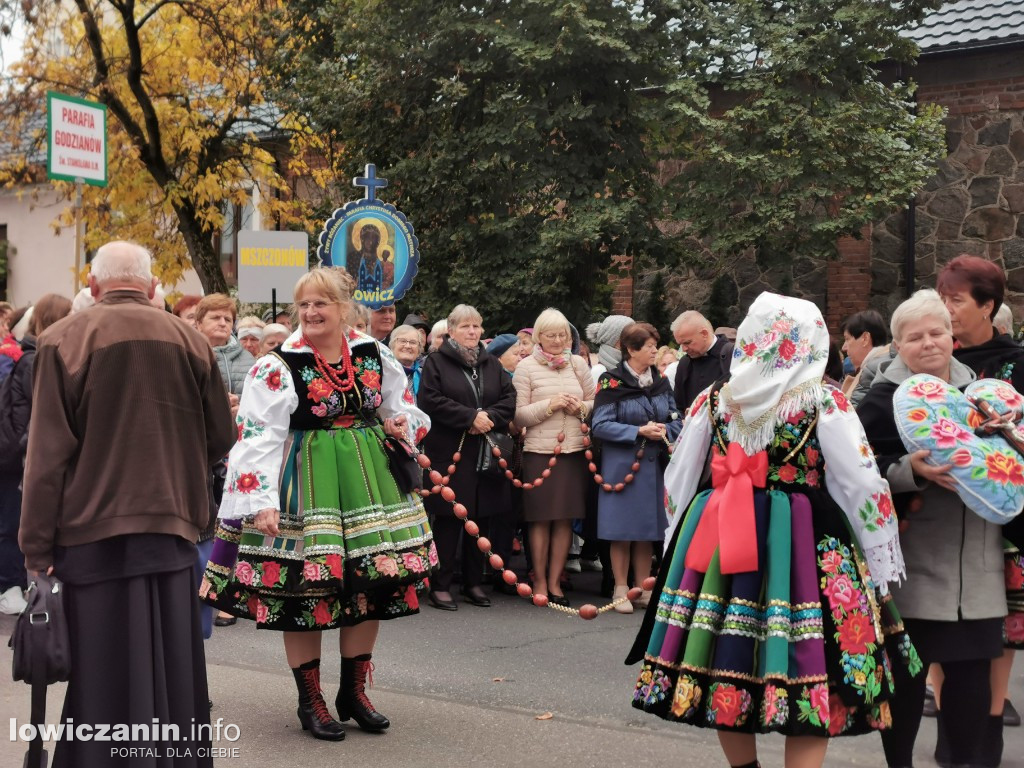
[[777, 368]]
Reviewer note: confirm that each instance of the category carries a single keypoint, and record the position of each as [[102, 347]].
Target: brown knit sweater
[[129, 412]]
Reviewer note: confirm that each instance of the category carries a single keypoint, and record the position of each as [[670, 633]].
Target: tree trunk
[[205, 259]]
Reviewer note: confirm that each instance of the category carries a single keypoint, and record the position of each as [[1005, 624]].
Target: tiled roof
[[970, 24]]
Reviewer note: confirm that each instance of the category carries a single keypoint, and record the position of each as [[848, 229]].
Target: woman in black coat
[[15, 410], [466, 392]]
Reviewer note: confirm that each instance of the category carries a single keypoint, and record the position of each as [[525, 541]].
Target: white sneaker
[[573, 566], [591, 565], [12, 602]]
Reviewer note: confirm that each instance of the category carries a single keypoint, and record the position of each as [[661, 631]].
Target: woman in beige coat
[[554, 392]]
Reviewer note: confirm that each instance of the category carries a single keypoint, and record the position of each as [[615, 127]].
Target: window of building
[[237, 218]]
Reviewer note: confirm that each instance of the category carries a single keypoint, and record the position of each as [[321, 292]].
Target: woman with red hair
[[972, 289]]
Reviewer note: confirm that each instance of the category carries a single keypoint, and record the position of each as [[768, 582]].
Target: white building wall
[[41, 259]]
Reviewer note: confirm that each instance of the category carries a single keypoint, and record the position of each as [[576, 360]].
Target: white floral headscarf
[[777, 367]]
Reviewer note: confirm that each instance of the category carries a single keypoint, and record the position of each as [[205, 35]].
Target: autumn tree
[[515, 136], [189, 124]]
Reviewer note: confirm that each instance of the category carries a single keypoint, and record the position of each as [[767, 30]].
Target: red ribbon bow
[[728, 523]]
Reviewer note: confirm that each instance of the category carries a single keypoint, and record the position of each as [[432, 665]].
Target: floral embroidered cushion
[[935, 416]]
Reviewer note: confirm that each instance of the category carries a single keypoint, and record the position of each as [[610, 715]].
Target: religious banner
[[374, 242]]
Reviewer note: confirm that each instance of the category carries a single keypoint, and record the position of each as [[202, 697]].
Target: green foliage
[[655, 310], [513, 134], [721, 301], [793, 133]]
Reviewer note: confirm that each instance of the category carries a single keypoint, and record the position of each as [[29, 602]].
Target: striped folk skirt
[[796, 647], [351, 546]]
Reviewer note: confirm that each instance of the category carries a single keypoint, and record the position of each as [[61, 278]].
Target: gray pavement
[[467, 688]]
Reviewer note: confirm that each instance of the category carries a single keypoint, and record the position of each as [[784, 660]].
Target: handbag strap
[[477, 392], [39, 637]]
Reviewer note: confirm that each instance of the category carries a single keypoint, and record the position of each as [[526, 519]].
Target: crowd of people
[[812, 570]]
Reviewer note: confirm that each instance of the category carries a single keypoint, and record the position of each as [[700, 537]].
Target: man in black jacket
[[706, 360]]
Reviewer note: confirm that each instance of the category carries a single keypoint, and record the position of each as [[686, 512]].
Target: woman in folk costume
[[766, 616], [314, 533]]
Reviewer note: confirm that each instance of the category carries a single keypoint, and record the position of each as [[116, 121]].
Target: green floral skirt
[[351, 546]]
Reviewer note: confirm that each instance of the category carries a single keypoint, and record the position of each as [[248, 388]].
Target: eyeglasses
[[554, 335], [319, 306], [406, 343]]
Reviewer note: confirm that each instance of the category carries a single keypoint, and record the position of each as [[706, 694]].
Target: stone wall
[[974, 204]]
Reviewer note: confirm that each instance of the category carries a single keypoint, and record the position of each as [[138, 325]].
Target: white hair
[[250, 321], [461, 314], [123, 261], [359, 313], [272, 328], [924, 303], [691, 316], [1003, 321], [83, 300], [440, 329], [403, 330], [21, 328]]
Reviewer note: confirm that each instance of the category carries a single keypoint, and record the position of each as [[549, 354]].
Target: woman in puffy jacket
[[554, 392]]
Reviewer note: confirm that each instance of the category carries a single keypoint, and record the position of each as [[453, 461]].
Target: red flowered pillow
[[935, 416]]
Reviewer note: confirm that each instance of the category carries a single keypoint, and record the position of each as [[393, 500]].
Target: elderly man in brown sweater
[[129, 414]]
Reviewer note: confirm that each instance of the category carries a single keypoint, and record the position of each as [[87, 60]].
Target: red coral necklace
[[339, 382]]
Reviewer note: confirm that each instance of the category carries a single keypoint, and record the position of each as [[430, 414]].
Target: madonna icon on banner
[[375, 243]]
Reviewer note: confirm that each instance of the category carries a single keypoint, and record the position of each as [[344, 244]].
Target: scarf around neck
[[777, 368], [619, 383], [557, 362], [468, 355]]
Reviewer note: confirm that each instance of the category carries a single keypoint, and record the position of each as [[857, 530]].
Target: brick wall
[[976, 95], [849, 280], [622, 295]]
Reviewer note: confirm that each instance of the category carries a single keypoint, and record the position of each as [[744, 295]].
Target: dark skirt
[[939, 641], [795, 647], [563, 496], [136, 656]]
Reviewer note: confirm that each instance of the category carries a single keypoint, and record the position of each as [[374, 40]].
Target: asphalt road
[[468, 688]]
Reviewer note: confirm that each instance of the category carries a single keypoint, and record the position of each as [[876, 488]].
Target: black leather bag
[[487, 463], [42, 652], [402, 463]]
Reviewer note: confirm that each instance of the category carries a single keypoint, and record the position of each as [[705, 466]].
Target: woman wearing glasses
[[314, 533], [554, 393], [406, 346]]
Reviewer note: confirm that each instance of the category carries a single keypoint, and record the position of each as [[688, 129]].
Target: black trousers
[[448, 532], [965, 699]]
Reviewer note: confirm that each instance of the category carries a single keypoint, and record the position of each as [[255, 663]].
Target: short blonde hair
[[249, 321], [461, 314], [358, 313], [440, 328], [551, 320], [924, 303], [334, 283], [1003, 321]]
